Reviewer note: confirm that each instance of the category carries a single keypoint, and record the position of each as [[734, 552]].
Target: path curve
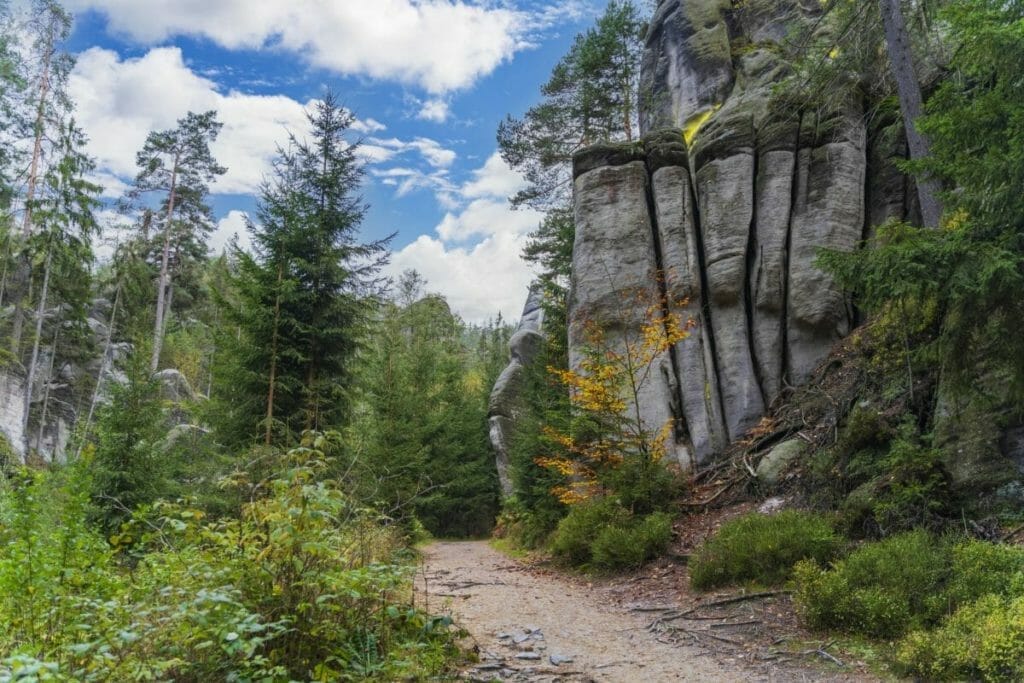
[[554, 619]]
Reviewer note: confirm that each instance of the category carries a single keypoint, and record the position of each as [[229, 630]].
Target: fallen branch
[[821, 652], [737, 598], [665, 608], [737, 623], [1012, 533]]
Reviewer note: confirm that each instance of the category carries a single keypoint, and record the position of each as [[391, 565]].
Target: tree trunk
[[108, 342], [901, 61], [164, 280], [40, 314], [24, 270], [46, 392], [273, 355]]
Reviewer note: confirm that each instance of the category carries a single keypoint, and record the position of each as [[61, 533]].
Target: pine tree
[[178, 165], [304, 297], [48, 70], [62, 210], [590, 97]]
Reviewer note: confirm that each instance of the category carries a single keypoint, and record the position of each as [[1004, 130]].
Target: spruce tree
[[62, 211], [304, 297]]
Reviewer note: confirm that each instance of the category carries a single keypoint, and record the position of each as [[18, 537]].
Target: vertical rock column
[[615, 275], [679, 242], [828, 213], [506, 400], [726, 200]]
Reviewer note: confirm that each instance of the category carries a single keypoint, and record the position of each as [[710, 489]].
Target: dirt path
[[532, 624]]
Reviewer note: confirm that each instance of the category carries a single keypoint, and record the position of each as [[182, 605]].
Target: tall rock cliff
[[723, 207], [506, 400]]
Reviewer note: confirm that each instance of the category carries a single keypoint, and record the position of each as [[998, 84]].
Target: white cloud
[[121, 100], [439, 45], [494, 179], [436, 155], [368, 126], [228, 228], [480, 279], [434, 110], [486, 217]]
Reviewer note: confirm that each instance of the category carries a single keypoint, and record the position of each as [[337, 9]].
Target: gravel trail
[[531, 625]]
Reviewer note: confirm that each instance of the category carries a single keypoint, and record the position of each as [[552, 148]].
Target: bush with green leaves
[[882, 589], [983, 641], [629, 547], [306, 584], [763, 549], [905, 582], [602, 534]]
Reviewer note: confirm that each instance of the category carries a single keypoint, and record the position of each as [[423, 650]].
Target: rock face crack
[[681, 429], [715, 379], [751, 265]]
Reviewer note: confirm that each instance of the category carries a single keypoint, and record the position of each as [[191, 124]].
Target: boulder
[[174, 386], [775, 463]]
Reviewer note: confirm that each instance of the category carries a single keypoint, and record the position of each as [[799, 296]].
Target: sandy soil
[[528, 622]]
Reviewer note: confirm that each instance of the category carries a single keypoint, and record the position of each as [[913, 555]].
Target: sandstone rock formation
[[506, 398], [724, 206]]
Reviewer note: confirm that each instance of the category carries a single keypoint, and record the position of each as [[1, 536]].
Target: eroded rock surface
[[506, 401], [728, 201]]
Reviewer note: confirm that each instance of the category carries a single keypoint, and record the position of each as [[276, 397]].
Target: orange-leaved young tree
[[610, 448]]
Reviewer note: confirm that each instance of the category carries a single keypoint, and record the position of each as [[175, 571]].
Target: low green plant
[[305, 584], [576, 533], [602, 534], [763, 548], [881, 590], [982, 641], [980, 568], [628, 547]]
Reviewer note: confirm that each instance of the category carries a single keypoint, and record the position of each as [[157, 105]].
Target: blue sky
[[428, 80]]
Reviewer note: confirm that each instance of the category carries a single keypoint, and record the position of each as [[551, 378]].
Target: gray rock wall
[[506, 400], [729, 200]]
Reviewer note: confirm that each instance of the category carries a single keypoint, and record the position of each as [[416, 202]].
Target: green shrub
[[577, 532], [981, 568], [304, 585], [763, 548], [631, 546], [981, 641], [643, 485], [882, 589]]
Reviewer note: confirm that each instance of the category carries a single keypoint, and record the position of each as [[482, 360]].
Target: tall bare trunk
[[40, 314], [24, 268], [164, 280], [901, 60], [273, 356], [46, 391], [107, 344]]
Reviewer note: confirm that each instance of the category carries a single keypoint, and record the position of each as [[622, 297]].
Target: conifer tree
[[305, 295], [177, 164], [63, 214], [47, 71], [590, 97]]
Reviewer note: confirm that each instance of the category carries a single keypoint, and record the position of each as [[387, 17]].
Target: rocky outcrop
[[723, 206], [506, 401]]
